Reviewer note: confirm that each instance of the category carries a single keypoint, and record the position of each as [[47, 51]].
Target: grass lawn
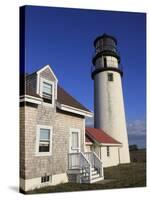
[[122, 176]]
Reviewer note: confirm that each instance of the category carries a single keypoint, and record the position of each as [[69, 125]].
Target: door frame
[[70, 139]]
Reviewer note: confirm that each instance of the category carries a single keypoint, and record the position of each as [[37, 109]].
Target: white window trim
[[38, 79], [37, 153], [79, 137], [41, 91]]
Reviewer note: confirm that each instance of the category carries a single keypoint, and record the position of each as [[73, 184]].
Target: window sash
[[44, 134], [47, 91], [47, 88], [44, 147], [44, 140]]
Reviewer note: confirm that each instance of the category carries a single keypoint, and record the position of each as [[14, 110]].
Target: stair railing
[[95, 161], [98, 164], [79, 161], [86, 168]]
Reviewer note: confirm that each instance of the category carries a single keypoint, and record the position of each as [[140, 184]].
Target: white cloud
[[136, 127]]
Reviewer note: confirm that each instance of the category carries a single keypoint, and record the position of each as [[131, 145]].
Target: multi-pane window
[[44, 140], [110, 77], [46, 179], [108, 151], [47, 92]]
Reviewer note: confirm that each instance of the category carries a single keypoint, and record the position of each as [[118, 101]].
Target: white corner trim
[[30, 99], [56, 86], [37, 153], [74, 110]]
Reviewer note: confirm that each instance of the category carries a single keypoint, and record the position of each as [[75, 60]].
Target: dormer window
[[47, 92]]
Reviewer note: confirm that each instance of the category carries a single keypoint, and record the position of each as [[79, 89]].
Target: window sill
[[43, 154]]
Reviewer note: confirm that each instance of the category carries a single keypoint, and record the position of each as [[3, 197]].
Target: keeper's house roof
[[63, 97], [99, 136]]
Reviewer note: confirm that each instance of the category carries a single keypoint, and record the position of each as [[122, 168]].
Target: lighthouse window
[[110, 77], [112, 61], [105, 63]]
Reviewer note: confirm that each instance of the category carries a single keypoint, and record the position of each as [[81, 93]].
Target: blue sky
[[64, 39]]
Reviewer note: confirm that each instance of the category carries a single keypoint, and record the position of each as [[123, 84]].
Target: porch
[[85, 167]]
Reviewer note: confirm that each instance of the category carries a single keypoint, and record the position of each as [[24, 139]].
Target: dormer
[[41, 87], [46, 86]]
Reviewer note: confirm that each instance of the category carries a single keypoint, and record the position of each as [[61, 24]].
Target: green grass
[[122, 176]]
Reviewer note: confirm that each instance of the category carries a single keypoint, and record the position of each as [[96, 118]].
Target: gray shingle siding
[[36, 166], [32, 166]]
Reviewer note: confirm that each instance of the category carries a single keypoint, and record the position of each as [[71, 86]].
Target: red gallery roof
[[100, 136]]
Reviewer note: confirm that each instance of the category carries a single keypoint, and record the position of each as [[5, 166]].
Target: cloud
[[136, 127], [137, 132]]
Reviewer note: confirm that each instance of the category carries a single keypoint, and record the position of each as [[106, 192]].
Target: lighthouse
[[109, 112]]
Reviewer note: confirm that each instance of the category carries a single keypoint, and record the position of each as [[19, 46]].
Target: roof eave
[[111, 144], [30, 99], [103, 144], [74, 110]]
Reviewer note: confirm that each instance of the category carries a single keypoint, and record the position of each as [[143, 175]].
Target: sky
[[63, 38]]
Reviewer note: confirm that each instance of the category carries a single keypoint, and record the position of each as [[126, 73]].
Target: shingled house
[[55, 146]]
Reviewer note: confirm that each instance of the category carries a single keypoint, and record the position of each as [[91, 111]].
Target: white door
[[75, 147], [75, 143]]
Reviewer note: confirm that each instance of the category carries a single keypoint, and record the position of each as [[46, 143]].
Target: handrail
[[89, 157], [95, 161], [74, 161], [86, 167], [84, 162], [79, 161], [98, 164]]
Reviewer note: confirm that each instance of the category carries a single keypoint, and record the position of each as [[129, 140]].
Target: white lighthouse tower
[[109, 113]]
